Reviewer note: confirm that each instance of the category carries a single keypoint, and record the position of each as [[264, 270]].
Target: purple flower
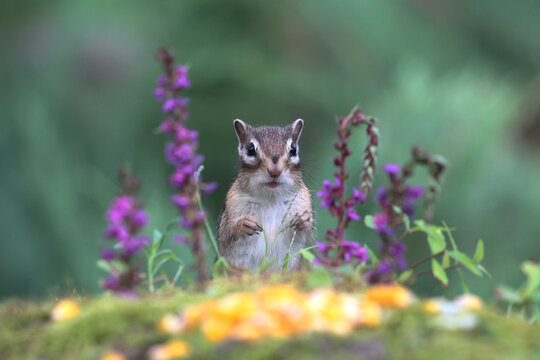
[[182, 83], [392, 168], [172, 104], [381, 222], [112, 283], [125, 218], [162, 80], [397, 251], [108, 254], [139, 219], [181, 200], [324, 248], [181, 239], [116, 231], [358, 196], [181, 152], [354, 250], [167, 126], [413, 192], [120, 207], [134, 244], [185, 135], [159, 93], [187, 223], [209, 188], [351, 214], [326, 194]]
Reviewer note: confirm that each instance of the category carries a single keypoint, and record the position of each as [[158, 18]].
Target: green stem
[[207, 226]]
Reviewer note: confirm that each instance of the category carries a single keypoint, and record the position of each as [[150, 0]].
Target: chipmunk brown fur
[[268, 207]]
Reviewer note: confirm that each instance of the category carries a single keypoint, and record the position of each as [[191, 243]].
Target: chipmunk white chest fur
[[268, 208]]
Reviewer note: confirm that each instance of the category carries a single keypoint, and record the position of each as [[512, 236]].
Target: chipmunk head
[[270, 155]]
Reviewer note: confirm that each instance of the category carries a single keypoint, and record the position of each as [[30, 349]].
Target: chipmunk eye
[[251, 149], [293, 150]]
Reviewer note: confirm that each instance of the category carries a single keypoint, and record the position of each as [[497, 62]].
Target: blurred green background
[[460, 78]]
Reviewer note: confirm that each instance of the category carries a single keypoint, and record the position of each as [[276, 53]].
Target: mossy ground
[[106, 322]]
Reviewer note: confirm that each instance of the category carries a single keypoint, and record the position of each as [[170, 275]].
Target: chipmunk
[[268, 207]]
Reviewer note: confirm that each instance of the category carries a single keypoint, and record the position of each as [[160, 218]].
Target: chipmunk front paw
[[301, 221], [249, 225]]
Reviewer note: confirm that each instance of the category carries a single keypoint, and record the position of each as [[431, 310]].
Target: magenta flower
[[125, 218], [392, 168], [381, 222], [333, 195], [181, 152]]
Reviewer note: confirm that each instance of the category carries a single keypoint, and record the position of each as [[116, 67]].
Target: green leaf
[[483, 269], [368, 220], [404, 276], [307, 254], [435, 239], [406, 221], [446, 260], [157, 238], [267, 266], [439, 273], [102, 264], [479, 252], [285, 264], [508, 295], [119, 265], [465, 261], [371, 254], [532, 271], [159, 264], [220, 267]]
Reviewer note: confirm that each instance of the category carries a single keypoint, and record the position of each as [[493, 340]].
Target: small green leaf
[[267, 266], [439, 273], [479, 253], [404, 276], [157, 237], [406, 221], [371, 255], [102, 264], [307, 255], [465, 261], [532, 271], [483, 269], [220, 267], [435, 239], [368, 220], [508, 295], [446, 260]]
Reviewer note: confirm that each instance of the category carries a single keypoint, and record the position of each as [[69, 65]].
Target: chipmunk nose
[[275, 170]]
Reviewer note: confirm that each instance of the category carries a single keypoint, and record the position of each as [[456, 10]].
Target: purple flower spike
[[181, 152], [125, 217]]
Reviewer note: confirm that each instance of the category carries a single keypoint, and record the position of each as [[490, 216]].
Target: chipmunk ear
[[297, 127], [241, 130]]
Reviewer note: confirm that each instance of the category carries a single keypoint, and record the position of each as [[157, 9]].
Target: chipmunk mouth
[[272, 184]]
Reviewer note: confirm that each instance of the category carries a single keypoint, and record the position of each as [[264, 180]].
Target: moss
[[107, 322]]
